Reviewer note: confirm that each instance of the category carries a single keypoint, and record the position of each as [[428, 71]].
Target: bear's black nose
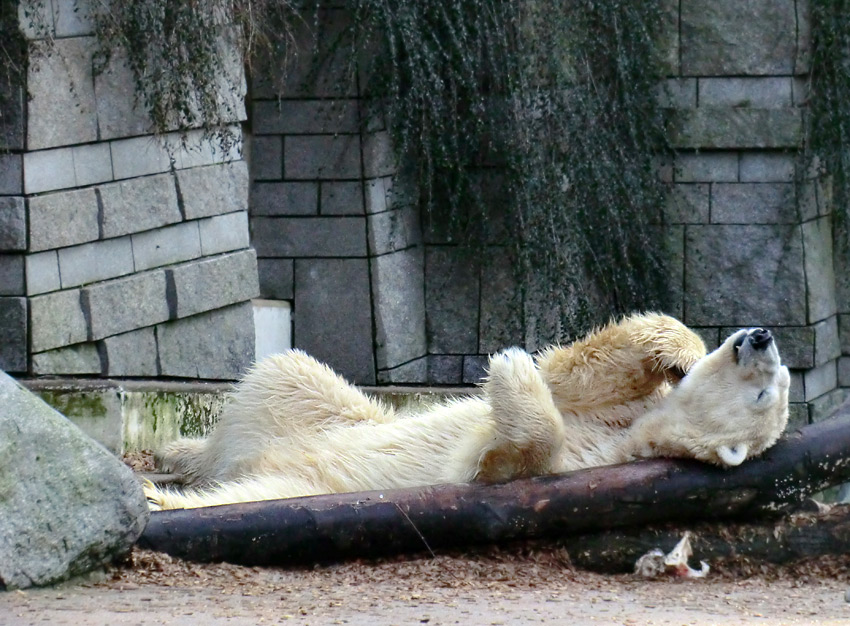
[[760, 338]]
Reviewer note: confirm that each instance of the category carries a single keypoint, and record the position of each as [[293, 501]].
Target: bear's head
[[731, 406]]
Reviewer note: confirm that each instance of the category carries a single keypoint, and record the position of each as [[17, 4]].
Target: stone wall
[[752, 226], [121, 254]]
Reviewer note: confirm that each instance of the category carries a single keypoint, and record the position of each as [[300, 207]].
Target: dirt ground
[[521, 585]]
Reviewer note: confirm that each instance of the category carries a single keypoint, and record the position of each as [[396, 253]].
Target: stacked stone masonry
[[121, 253]]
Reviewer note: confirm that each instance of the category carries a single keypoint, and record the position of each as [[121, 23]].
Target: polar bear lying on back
[[640, 388]]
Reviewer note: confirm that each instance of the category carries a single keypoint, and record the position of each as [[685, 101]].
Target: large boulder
[[67, 505]]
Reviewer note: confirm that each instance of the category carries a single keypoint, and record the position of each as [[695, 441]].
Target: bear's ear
[[733, 455]]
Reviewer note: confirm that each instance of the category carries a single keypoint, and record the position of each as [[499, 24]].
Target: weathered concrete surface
[[66, 504]]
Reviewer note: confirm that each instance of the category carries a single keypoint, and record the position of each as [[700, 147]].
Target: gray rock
[[474, 368], [119, 306], [688, 204], [80, 359], [12, 275], [68, 505], [744, 275], [313, 237], [138, 204], [451, 298], [394, 230], [414, 372], [76, 211], [57, 320], [305, 117], [706, 168], [827, 345], [749, 203], [726, 37], [163, 246], [399, 301], [13, 224], [131, 354], [12, 119], [218, 345], [796, 345], [500, 325], [276, 278], [729, 128], [820, 380], [13, 334], [284, 199], [119, 114], [445, 369], [771, 92], [95, 261], [214, 189], [820, 271], [213, 283], [321, 156], [267, 158], [11, 174], [342, 198], [767, 167], [333, 319]]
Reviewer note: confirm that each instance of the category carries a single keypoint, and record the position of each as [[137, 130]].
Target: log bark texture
[[379, 523]]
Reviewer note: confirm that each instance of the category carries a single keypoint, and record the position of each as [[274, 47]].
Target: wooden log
[[786, 539], [379, 523]]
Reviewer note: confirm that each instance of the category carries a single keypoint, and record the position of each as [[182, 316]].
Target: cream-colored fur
[[294, 427]]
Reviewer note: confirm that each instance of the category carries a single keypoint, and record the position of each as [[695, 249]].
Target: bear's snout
[[760, 338]]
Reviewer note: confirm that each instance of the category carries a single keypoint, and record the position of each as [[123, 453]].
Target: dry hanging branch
[[379, 523]]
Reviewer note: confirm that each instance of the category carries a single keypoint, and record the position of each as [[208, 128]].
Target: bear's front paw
[[511, 364]]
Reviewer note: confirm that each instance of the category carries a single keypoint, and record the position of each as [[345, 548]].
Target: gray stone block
[[394, 230], [77, 360], [213, 190], [11, 174], [61, 105], [12, 116], [309, 237], [451, 300], [399, 302], [796, 345], [728, 37], [224, 233], [798, 415], [341, 198], [706, 168], [844, 371], [677, 93], [820, 380], [139, 156], [47, 170], [218, 345], [474, 369], [12, 275], [378, 155], [92, 164], [688, 204], [333, 315], [500, 323], [73, 18], [213, 283], [305, 117], [132, 206], [753, 203], [57, 320], [197, 148], [267, 158], [276, 278], [284, 199], [321, 156], [167, 245], [767, 93], [76, 212], [668, 38], [844, 332], [797, 388], [410, 373], [801, 89], [729, 128], [744, 275], [99, 260], [131, 354], [767, 167], [42, 272], [13, 334], [119, 112], [825, 406], [827, 344], [69, 505], [126, 304], [378, 194], [445, 369], [820, 273], [13, 224], [710, 336]]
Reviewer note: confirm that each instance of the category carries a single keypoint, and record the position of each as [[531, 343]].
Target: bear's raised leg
[[528, 430], [620, 364]]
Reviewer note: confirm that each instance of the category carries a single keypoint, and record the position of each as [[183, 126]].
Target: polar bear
[[640, 388]]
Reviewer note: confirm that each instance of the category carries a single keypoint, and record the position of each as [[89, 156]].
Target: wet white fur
[[293, 427]]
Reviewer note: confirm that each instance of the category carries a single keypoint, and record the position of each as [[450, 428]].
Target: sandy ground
[[516, 586]]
